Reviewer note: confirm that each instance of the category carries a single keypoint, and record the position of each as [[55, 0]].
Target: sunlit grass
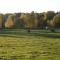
[[21, 45]]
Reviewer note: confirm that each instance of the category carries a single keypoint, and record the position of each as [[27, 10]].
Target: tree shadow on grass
[[22, 34], [52, 35], [7, 35]]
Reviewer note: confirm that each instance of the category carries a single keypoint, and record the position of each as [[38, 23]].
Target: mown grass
[[38, 45]]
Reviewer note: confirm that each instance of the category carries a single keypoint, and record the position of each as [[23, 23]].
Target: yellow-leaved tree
[[9, 22], [29, 20], [1, 21]]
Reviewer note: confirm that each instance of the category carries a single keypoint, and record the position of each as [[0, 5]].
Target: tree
[[47, 18], [49, 15], [9, 23], [1, 22], [41, 20], [29, 20], [56, 21]]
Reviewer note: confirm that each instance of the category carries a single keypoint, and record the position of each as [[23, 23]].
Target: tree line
[[30, 20]]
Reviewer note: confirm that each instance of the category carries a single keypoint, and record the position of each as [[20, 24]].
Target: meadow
[[18, 44]]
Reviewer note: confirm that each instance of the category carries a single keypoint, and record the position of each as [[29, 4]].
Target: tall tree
[[9, 23], [49, 15], [56, 20], [1, 22]]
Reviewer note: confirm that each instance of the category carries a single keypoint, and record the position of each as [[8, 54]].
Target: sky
[[15, 6]]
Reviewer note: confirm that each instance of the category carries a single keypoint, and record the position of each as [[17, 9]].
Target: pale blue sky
[[11, 6]]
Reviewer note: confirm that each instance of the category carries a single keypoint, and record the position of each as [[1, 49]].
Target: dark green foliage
[[49, 15], [18, 24]]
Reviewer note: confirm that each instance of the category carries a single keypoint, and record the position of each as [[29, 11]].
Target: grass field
[[18, 44]]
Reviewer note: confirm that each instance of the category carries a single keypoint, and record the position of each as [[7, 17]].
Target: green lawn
[[38, 45]]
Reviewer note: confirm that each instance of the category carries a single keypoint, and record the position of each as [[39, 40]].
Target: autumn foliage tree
[[56, 21], [1, 22], [9, 23], [30, 20]]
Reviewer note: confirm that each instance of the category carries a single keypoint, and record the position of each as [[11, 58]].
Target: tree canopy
[[30, 20]]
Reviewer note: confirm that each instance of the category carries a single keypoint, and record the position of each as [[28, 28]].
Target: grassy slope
[[38, 45]]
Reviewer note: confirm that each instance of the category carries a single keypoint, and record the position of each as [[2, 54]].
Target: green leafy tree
[[41, 20], [49, 15]]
